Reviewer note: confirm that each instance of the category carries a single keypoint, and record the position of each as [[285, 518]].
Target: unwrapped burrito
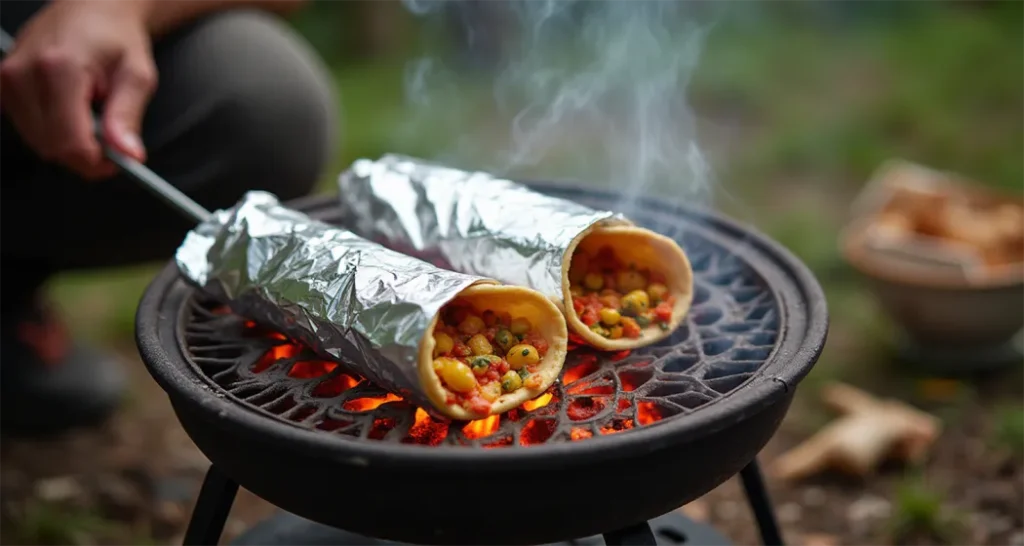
[[465, 346], [620, 286]]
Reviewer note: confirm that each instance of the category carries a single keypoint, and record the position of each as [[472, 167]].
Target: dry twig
[[869, 432]]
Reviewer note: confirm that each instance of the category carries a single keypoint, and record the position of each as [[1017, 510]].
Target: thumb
[[130, 88]]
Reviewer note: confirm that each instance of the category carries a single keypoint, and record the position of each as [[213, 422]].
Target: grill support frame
[[218, 492]]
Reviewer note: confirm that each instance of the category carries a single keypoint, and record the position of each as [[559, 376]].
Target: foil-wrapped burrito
[[620, 286], [461, 345]]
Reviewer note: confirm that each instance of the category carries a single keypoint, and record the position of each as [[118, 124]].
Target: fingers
[[47, 99], [24, 111], [130, 89], [67, 129]]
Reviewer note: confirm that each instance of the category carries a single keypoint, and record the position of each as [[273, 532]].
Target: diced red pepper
[[630, 328], [461, 349], [478, 404], [502, 366], [663, 312], [589, 317], [578, 305], [541, 344], [489, 334]]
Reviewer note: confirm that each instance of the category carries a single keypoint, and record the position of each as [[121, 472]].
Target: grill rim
[[790, 361]]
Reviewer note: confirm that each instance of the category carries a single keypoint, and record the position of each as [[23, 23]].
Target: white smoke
[[589, 90]]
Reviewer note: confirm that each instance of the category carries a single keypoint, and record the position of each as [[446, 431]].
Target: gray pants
[[242, 104]]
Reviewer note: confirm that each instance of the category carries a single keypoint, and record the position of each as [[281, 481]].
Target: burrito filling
[[480, 355], [618, 299]]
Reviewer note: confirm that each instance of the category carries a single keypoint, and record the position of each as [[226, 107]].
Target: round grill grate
[[731, 331]]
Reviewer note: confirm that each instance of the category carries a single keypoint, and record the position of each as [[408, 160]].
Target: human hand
[[72, 53]]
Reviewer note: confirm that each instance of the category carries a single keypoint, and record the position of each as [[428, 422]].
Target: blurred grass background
[[799, 102]]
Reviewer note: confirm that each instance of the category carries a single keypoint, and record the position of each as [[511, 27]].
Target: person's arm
[[163, 16]]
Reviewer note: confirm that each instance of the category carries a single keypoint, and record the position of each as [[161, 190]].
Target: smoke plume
[[587, 90]]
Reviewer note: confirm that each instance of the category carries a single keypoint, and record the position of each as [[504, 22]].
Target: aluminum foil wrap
[[469, 221], [350, 300]]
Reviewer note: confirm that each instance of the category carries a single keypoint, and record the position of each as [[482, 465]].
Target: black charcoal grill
[[621, 439]]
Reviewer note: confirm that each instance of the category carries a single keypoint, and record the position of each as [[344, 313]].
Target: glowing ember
[[426, 430], [381, 427], [308, 369], [578, 434], [370, 403], [277, 352], [537, 431], [538, 402], [616, 426], [587, 366], [647, 413], [482, 427], [589, 399], [584, 408]]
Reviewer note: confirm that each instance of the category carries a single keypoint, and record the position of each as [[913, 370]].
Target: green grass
[[1008, 429], [920, 509], [51, 523]]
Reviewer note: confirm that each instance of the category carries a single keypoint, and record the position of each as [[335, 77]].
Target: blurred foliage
[[920, 511], [1008, 433]]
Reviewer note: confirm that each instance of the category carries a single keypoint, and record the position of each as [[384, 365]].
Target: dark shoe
[[49, 383]]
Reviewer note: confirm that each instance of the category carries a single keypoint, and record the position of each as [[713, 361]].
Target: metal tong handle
[[135, 170]]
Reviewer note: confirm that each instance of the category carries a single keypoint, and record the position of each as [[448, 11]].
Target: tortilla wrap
[[521, 302], [647, 249]]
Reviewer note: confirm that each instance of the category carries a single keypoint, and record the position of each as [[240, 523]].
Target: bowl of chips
[[945, 259]]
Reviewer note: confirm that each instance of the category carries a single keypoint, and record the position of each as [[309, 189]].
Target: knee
[[275, 116]]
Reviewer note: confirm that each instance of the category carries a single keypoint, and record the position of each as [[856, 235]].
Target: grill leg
[[636, 535], [761, 505], [212, 507]]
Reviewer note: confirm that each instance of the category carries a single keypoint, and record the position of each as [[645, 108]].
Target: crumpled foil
[[350, 300], [469, 221]]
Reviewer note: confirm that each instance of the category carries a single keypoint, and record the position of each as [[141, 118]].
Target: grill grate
[[731, 331]]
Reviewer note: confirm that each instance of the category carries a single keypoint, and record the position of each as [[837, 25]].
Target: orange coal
[[585, 402]]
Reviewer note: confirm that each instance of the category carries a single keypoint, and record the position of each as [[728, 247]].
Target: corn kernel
[[657, 291], [471, 325], [522, 355], [635, 303], [520, 326], [456, 375], [593, 281], [443, 343], [630, 280], [615, 332], [610, 316], [479, 345], [511, 382]]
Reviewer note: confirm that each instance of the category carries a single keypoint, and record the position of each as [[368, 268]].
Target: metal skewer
[[135, 170]]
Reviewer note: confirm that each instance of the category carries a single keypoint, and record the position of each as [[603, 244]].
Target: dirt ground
[[134, 482]]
